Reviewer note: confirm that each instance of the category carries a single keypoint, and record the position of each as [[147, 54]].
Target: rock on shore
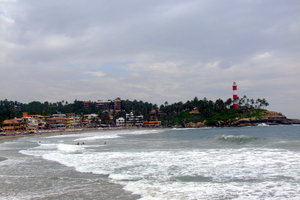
[[269, 118]]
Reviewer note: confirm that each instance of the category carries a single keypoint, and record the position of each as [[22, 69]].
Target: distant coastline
[[60, 132], [19, 119]]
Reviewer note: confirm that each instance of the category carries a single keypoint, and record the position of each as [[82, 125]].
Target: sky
[[151, 50]]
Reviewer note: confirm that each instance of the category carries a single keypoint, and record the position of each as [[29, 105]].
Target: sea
[[261, 162]]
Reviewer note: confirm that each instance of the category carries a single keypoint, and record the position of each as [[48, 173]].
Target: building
[[105, 105], [153, 115], [14, 126], [152, 124], [117, 104], [57, 121], [134, 120], [25, 114], [235, 96], [120, 121], [73, 120]]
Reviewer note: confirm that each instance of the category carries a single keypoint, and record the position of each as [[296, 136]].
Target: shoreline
[[4, 138], [15, 136]]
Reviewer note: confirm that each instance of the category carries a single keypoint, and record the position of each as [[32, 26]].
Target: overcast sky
[[151, 50]]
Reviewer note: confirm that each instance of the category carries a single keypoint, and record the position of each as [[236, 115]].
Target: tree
[[105, 118]]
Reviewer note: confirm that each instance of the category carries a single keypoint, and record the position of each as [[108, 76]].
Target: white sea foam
[[221, 173], [67, 148], [63, 136], [142, 132], [245, 173], [98, 137], [116, 134], [263, 124]]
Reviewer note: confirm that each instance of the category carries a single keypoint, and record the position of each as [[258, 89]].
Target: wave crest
[[239, 139]]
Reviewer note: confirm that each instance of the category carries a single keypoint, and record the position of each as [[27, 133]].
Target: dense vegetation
[[211, 112], [11, 109]]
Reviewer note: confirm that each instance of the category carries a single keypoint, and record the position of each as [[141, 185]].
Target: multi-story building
[[117, 104], [105, 105], [13, 125], [57, 121], [73, 120], [134, 120], [34, 120]]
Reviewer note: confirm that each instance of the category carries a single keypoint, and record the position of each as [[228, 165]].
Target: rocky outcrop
[[269, 118]]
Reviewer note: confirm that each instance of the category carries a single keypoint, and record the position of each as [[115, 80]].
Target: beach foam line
[[98, 137], [68, 148], [143, 132]]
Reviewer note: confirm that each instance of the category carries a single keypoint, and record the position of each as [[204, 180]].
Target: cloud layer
[[155, 51]]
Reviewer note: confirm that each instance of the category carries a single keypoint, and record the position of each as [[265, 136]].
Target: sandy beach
[[60, 132]]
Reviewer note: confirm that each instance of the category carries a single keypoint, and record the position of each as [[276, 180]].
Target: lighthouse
[[235, 96]]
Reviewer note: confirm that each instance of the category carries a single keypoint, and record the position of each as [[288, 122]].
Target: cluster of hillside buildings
[[29, 123], [32, 123]]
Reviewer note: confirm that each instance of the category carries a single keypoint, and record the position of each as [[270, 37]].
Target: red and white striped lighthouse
[[235, 96]]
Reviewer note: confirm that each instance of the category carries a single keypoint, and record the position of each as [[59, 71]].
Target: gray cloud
[[150, 50]]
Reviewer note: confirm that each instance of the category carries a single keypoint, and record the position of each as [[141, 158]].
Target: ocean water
[[260, 162]]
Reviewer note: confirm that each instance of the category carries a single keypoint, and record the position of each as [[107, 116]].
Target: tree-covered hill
[[209, 112]]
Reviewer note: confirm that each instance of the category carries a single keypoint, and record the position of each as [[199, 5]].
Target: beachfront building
[[57, 121], [30, 121], [91, 120], [36, 121], [73, 120], [14, 126], [120, 121], [134, 120], [152, 124], [32, 124]]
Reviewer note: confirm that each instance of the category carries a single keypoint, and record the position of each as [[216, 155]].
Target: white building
[[134, 120], [120, 121]]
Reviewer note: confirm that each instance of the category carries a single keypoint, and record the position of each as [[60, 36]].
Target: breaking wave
[[238, 139]]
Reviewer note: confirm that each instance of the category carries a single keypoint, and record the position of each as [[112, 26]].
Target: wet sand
[[61, 132], [45, 133], [2, 159]]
